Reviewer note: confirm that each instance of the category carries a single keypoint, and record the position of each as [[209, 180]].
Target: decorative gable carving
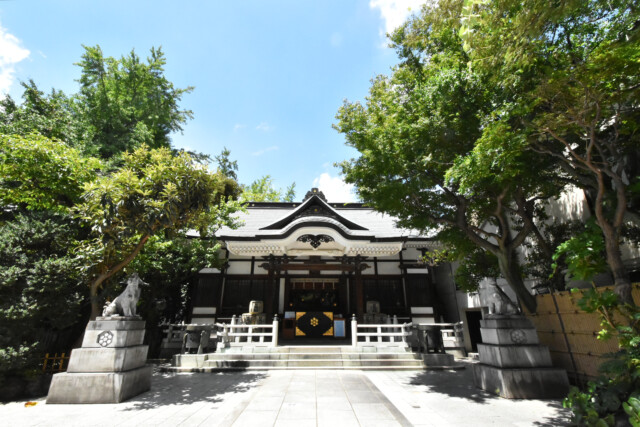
[[315, 240], [315, 192], [314, 205]]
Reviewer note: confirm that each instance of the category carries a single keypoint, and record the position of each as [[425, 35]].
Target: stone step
[[319, 349], [334, 363], [209, 369], [244, 349], [290, 356]]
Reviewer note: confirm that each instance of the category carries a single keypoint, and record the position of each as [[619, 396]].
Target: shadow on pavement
[[453, 383], [561, 419], [185, 389], [460, 384]]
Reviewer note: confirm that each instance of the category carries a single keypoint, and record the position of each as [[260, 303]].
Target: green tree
[[425, 158], [262, 190], [38, 173], [128, 102], [54, 116], [41, 292], [154, 192], [227, 166], [171, 265], [571, 70]]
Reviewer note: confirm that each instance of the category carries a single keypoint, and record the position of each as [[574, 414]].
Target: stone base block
[[509, 336], [437, 359], [515, 356], [458, 352], [112, 338], [507, 322], [113, 387], [107, 359], [113, 323], [536, 383], [189, 360]]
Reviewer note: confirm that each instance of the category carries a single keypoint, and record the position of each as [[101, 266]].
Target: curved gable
[[314, 205]]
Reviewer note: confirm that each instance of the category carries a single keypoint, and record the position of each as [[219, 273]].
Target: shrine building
[[333, 260]]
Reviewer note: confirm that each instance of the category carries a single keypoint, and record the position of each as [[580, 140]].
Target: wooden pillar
[[359, 290], [268, 304]]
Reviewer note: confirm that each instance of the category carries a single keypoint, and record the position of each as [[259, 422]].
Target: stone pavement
[[300, 398]]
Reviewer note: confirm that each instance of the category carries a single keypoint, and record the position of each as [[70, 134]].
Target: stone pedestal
[[513, 364], [110, 366]]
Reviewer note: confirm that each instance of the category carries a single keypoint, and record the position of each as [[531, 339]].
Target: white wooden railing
[[237, 335], [387, 334]]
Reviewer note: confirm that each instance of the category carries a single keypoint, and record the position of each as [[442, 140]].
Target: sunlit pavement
[[301, 398]]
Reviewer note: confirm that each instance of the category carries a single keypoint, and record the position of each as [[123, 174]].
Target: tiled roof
[[375, 223]]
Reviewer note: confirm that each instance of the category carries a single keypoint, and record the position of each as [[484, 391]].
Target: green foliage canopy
[[38, 173], [571, 72], [128, 102], [154, 191], [55, 116], [262, 190], [425, 158], [40, 290]]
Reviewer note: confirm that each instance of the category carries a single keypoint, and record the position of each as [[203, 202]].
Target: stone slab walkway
[[301, 398]]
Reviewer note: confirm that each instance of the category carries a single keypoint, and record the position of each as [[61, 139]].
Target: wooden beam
[[313, 267]]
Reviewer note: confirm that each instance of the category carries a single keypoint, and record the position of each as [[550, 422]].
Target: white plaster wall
[[411, 255], [237, 267], [385, 267], [571, 205]]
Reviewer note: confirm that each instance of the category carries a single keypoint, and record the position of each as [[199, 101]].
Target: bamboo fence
[[571, 334]]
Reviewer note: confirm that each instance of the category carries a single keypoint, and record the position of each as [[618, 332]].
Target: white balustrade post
[[404, 333], [395, 322], [274, 339], [354, 331]]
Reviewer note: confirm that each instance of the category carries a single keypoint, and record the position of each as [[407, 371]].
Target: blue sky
[[269, 75]]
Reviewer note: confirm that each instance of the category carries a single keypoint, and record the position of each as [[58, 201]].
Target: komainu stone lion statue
[[125, 303], [494, 298]]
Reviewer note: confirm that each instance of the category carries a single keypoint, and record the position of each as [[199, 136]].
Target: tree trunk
[[511, 272], [611, 234], [93, 290], [621, 281]]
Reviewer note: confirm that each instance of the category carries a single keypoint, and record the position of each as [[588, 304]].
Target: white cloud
[[11, 52], [264, 127], [395, 12], [238, 126], [264, 150], [335, 189]]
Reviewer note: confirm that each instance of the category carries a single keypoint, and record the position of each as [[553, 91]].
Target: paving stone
[[295, 423], [334, 417], [297, 411], [361, 397], [237, 398], [255, 418], [369, 411]]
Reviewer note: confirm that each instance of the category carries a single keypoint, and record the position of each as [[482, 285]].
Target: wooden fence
[[55, 363], [571, 333]]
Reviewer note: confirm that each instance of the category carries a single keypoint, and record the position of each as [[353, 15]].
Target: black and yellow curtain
[[314, 323]]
